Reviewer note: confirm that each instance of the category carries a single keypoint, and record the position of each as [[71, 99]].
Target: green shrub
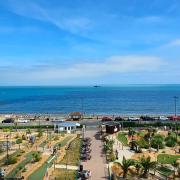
[[170, 141], [11, 160], [143, 143], [36, 156]]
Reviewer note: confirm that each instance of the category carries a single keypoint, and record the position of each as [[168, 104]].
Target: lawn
[[41, 171], [21, 165], [122, 138], [61, 174], [165, 171], [63, 142], [73, 153], [43, 144], [167, 158]]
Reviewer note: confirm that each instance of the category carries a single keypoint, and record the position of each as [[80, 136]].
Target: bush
[[40, 132], [170, 141], [11, 160], [36, 156], [143, 143], [56, 138]]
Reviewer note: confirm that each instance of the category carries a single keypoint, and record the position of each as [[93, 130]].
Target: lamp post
[[7, 146], [47, 131], [175, 111]]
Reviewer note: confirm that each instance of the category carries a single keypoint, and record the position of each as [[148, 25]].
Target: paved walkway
[[97, 165]]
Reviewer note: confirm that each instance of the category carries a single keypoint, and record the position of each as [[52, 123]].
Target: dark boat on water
[[96, 86]]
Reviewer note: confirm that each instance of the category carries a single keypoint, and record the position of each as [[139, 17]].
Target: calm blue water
[[132, 99]]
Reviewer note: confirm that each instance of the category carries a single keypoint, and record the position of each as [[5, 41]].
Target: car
[[163, 118], [147, 118], [9, 120], [22, 120], [174, 118], [106, 119], [133, 119], [118, 119]]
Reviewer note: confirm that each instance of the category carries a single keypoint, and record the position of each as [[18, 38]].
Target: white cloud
[[57, 17], [114, 64], [173, 43]]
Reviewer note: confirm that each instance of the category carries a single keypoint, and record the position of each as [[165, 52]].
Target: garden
[[147, 152]]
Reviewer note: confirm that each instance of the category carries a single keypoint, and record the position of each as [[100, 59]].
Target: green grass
[[61, 174], [21, 165], [165, 171], [64, 141], [141, 133], [43, 144], [73, 153], [41, 171], [167, 158], [122, 138]]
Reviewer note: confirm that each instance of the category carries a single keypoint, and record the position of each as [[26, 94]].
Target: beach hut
[[112, 127], [75, 116], [67, 127]]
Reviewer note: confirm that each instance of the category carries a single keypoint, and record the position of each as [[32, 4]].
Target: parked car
[[22, 120], [174, 118], [133, 119], [163, 118], [106, 119], [118, 119], [9, 120], [147, 118]]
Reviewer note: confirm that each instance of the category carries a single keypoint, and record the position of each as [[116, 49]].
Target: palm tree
[[147, 165], [126, 163], [138, 166], [175, 164]]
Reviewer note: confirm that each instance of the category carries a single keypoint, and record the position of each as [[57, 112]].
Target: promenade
[[97, 165]]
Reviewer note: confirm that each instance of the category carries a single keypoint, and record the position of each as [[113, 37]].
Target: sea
[[104, 100]]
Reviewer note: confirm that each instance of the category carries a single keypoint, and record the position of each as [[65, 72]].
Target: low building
[[67, 127], [75, 116], [112, 127]]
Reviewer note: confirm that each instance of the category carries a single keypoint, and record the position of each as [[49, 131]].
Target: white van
[[22, 120]]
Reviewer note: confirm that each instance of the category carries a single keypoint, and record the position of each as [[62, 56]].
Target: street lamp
[[7, 146], [47, 131]]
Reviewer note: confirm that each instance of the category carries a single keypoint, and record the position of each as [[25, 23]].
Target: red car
[[106, 119], [174, 118]]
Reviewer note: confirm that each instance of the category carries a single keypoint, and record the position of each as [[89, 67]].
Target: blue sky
[[83, 42]]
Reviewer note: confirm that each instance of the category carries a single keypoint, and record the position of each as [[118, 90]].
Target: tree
[[138, 166], [19, 141], [175, 164], [126, 163], [147, 165], [157, 142]]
